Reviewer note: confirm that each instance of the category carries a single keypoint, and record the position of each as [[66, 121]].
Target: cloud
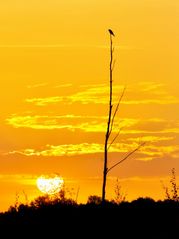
[[97, 95], [171, 100], [74, 149], [95, 124], [37, 85], [44, 122], [156, 132], [34, 122], [150, 138], [141, 93], [150, 93], [71, 122], [171, 130], [45, 101], [146, 86], [145, 153], [43, 85], [61, 150], [63, 85], [136, 179]]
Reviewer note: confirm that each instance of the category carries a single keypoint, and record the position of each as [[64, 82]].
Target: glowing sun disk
[[50, 185]]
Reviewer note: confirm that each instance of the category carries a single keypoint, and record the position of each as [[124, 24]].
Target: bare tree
[[111, 118]]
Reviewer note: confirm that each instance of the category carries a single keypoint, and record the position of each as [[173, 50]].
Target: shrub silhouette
[[172, 192], [94, 199], [119, 195]]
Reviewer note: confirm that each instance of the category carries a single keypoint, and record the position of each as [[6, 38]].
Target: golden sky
[[54, 68]]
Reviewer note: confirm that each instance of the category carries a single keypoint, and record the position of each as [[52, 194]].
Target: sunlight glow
[[50, 184]]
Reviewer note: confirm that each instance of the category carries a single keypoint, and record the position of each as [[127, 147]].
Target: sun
[[50, 184]]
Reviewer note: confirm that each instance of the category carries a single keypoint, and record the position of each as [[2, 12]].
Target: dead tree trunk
[[110, 122], [108, 131]]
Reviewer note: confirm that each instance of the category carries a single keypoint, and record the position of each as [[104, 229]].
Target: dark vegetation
[[143, 217], [58, 215]]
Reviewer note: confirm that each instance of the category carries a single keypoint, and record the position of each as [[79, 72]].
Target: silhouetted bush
[[172, 192], [147, 201], [94, 199]]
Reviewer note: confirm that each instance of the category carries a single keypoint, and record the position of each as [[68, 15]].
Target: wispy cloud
[[47, 84], [37, 85], [170, 100], [150, 139], [74, 149], [71, 122], [38, 122], [63, 85], [45, 101], [148, 152], [151, 152], [61, 150], [95, 94], [142, 93], [94, 124], [135, 179]]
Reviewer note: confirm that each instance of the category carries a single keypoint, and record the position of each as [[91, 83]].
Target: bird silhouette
[[111, 32]]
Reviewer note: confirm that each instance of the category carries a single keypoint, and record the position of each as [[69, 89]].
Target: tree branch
[[117, 107], [115, 138], [114, 62], [127, 156]]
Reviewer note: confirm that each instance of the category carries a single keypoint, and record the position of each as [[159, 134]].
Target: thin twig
[[114, 62], [115, 112], [115, 138], [127, 156]]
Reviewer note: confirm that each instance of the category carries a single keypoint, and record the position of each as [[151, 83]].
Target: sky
[[54, 85]]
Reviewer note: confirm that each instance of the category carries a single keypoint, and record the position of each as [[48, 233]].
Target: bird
[[111, 32]]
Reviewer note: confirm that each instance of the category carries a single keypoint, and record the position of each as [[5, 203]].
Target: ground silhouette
[[141, 218]]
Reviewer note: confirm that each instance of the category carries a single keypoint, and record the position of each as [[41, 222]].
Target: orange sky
[[54, 63]]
